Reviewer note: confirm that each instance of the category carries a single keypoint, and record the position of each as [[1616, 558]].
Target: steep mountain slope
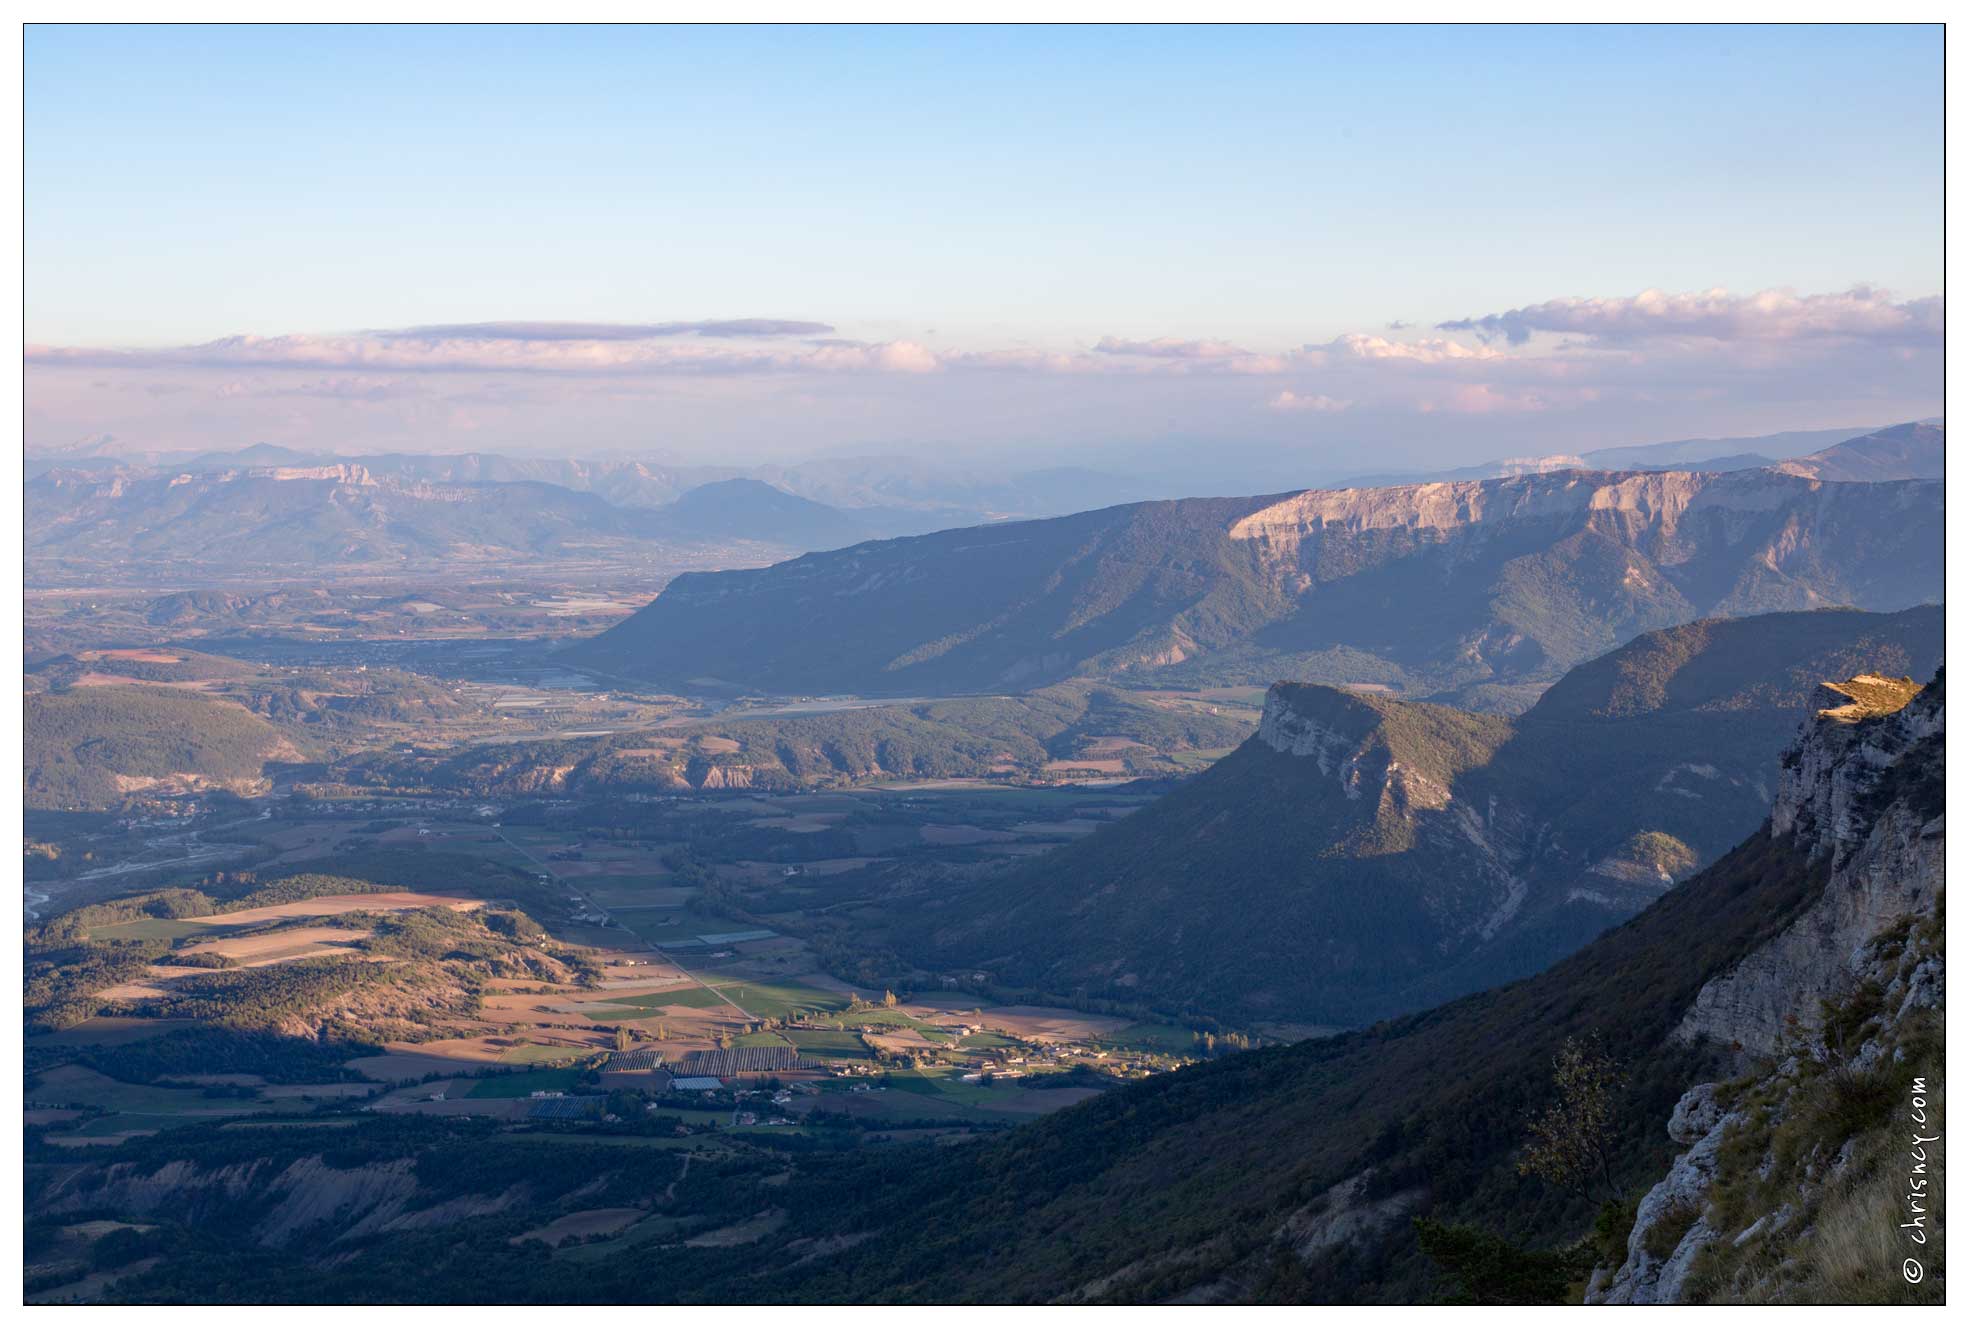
[[1905, 452], [1360, 856], [1796, 1182], [1423, 588], [1293, 1174]]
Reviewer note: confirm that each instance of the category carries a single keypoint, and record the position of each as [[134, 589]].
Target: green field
[[881, 1018], [776, 1001], [152, 929], [520, 1084], [945, 1083], [842, 1044], [682, 925], [632, 892]]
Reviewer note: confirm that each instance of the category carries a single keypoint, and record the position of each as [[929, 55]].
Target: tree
[[888, 998], [622, 1038], [1570, 1143], [1489, 1270]]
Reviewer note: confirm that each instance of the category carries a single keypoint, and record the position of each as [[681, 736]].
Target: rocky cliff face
[[1885, 860], [1798, 1182]]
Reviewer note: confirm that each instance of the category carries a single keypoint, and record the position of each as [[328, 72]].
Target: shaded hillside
[[91, 747], [1424, 588], [1362, 856]]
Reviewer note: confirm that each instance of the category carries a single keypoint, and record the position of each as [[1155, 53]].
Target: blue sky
[[965, 192]]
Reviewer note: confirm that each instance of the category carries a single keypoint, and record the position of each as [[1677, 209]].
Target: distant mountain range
[[1905, 452], [890, 495], [344, 515], [1921, 462], [1360, 857], [1469, 590], [273, 509]]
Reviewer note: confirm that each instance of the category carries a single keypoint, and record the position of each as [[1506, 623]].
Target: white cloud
[[1293, 401], [1863, 313]]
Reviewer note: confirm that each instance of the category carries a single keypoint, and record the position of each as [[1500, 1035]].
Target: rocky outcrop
[[1346, 1215], [1884, 861], [1827, 1012], [1670, 1228]]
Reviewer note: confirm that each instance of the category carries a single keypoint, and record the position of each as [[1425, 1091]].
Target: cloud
[[551, 331], [561, 353], [1598, 366], [1293, 401], [1863, 313], [1170, 348], [1484, 399], [354, 389], [1365, 346]]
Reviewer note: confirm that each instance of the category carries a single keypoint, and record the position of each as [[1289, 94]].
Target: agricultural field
[[680, 924]]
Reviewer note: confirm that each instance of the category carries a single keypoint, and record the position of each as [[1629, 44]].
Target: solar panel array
[[741, 1061], [636, 1059], [563, 1109]]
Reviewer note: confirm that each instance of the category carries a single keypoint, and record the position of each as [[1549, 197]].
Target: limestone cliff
[[1885, 861], [1798, 1182]]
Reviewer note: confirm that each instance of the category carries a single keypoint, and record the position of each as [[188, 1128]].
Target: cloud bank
[[1860, 314], [1563, 374]]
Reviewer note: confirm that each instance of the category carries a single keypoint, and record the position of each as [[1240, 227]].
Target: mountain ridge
[[1425, 588], [1361, 855]]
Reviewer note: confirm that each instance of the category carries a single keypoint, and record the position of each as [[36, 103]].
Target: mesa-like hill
[[1361, 856], [1425, 589]]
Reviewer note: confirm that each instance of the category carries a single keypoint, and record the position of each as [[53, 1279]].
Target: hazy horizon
[[1299, 251]]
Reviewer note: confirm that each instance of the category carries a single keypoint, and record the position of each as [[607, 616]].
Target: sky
[[1301, 247]]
